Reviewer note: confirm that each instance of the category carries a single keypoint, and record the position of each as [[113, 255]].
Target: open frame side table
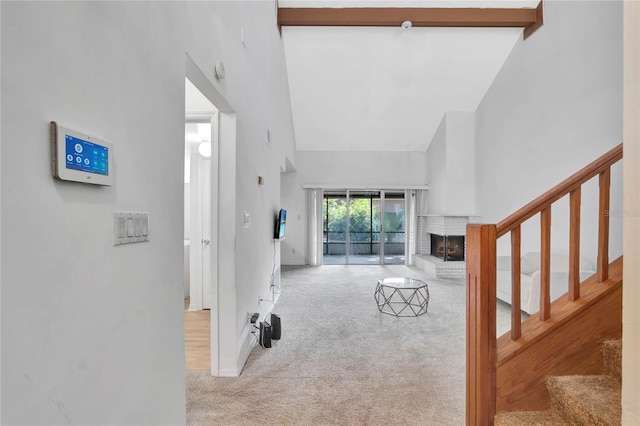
[[402, 297]]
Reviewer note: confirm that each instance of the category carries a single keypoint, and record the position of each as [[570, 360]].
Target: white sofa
[[530, 278]]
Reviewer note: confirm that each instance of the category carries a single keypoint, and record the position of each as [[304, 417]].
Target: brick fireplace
[[442, 245]]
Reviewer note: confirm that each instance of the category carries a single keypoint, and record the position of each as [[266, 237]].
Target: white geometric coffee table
[[402, 297]]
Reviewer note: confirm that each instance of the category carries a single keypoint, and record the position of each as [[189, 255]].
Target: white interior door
[[195, 234], [206, 242], [203, 219]]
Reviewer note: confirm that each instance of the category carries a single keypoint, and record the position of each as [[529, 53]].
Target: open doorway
[[200, 165], [217, 242]]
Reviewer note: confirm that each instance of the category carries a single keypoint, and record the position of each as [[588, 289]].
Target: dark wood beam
[[530, 19], [539, 20]]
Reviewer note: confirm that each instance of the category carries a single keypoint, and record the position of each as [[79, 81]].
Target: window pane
[[363, 249], [334, 228], [394, 228]]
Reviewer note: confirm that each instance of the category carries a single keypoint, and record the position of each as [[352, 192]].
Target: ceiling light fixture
[[205, 149], [406, 25]]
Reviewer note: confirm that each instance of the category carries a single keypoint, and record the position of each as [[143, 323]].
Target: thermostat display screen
[[86, 156]]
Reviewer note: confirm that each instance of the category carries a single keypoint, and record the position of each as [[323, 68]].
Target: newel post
[[481, 324]]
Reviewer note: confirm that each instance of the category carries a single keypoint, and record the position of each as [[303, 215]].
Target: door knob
[[207, 242]]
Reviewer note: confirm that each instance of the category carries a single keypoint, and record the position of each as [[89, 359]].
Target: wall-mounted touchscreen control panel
[[79, 157]]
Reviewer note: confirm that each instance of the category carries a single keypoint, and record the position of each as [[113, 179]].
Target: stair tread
[[592, 400], [529, 418]]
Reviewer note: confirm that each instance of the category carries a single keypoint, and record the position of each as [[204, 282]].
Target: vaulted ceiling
[[387, 88]]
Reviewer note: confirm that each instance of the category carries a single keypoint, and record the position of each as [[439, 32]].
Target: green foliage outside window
[[364, 221], [394, 227]]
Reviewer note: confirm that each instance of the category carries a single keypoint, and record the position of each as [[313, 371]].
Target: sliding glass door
[[363, 227]]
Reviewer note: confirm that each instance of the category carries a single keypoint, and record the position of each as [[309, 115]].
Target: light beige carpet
[[340, 361]]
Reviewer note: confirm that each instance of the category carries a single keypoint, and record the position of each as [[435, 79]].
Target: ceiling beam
[[539, 20], [530, 19]]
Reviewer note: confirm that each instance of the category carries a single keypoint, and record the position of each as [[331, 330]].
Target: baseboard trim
[[246, 351], [228, 372], [250, 341]]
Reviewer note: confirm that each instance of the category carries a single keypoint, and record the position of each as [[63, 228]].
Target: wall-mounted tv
[[281, 225]]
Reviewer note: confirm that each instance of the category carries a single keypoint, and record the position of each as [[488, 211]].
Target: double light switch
[[130, 227]]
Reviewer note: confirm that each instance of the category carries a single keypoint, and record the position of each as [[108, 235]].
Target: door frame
[[223, 325]]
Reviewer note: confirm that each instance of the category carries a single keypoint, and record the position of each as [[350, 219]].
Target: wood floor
[[197, 339]]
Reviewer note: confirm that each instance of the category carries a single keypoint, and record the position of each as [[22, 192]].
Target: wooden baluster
[[481, 325], [603, 226], [545, 263], [516, 314], [574, 244]]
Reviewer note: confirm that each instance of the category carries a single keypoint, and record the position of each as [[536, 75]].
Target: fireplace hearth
[[448, 247]]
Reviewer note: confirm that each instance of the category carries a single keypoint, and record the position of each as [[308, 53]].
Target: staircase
[[543, 372], [579, 400]]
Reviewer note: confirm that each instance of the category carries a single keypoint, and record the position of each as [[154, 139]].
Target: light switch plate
[[130, 227]]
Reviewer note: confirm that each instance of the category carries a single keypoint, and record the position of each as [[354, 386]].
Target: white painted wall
[[555, 106], [0, 221], [461, 156], [340, 168], [437, 170], [451, 166], [91, 333], [631, 294]]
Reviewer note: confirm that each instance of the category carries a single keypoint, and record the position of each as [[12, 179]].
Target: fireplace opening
[[447, 247]]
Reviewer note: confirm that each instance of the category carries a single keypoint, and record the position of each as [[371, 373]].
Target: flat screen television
[[281, 225]]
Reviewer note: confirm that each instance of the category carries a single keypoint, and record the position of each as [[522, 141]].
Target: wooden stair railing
[[483, 352]]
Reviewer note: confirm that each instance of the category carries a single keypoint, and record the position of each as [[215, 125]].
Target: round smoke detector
[[218, 70]]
